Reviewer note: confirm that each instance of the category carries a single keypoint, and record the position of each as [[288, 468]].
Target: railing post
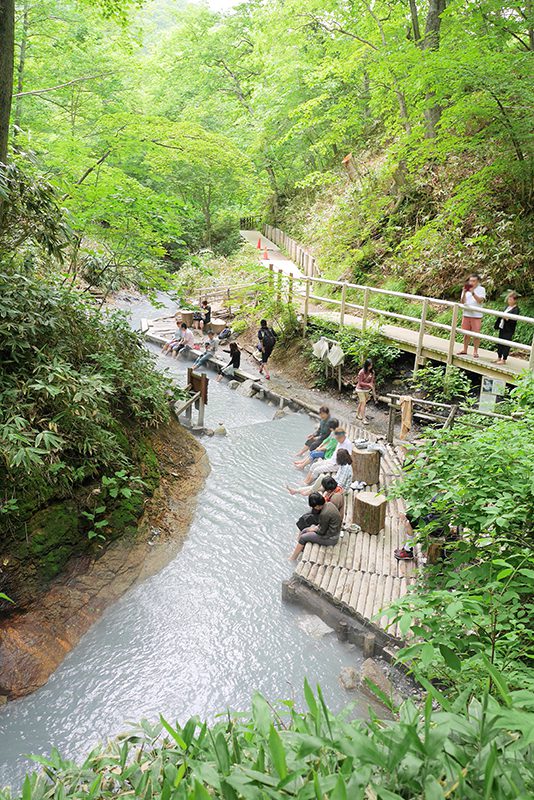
[[306, 305], [271, 277], [279, 287], [391, 421], [228, 300], [421, 336], [343, 303], [290, 289], [531, 359], [452, 340], [365, 307]]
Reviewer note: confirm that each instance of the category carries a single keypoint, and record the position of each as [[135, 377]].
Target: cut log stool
[[370, 511], [366, 466]]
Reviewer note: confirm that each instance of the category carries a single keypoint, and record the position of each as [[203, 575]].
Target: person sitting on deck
[[167, 347], [330, 464], [211, 344], [319, 435], [322, 526], [185, 342], [233, 364], [342, 476], [325, 450]]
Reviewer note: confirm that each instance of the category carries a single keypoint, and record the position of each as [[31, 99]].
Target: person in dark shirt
[[322, 526], [319, 435], [506, 327], [205, 311], [233, 364], [267, 341]]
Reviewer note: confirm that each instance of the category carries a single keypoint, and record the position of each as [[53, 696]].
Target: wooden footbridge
[[355, 305]]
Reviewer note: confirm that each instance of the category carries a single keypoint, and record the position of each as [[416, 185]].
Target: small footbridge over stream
[[295, 271]]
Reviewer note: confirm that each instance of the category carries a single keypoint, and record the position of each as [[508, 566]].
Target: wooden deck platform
[[360, 574]]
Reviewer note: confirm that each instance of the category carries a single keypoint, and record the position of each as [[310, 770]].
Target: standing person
[[364, 385], [506, 327], [323, 527], [473, 296], [210, 348], [186, 341], [233, 364], [205, 311], [267, 341]]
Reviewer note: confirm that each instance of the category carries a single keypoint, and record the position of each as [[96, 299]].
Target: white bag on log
[[320, 349], [336, 356]]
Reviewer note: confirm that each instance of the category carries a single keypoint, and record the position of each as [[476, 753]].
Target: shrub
[[359, 345], [468, 750], [442, 385]]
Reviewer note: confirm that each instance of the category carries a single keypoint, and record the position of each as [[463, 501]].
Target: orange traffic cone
[[259, 243], [265, 255]]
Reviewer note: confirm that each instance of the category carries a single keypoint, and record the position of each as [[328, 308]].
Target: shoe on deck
[[403, 554]]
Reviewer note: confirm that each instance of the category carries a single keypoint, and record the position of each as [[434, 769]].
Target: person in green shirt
[[325, 450]]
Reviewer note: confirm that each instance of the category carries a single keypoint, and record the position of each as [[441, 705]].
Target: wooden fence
[[295, 251]]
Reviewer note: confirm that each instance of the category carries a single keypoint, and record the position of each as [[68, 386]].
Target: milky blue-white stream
[[209, 628]]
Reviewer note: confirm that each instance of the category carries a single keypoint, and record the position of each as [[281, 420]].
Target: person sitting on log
[[326, 449], [342, 476], [319, 435], [329, 464], [322, 526], [211, 344]]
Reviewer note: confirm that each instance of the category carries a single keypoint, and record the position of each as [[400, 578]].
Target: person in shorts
[[473, 296], [364, 386], [185, 342]]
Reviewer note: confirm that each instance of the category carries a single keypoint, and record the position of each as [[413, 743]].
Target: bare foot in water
[[291, 491]]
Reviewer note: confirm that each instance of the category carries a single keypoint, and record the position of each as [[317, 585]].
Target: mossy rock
[[53, 536]]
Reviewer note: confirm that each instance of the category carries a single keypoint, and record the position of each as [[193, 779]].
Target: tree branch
[[62, 85]]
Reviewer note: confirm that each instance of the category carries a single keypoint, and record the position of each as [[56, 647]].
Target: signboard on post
[[490, 390], [198, 383]]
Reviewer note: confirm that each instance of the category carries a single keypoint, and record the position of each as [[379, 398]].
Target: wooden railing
[[366, 310], [296, 252]]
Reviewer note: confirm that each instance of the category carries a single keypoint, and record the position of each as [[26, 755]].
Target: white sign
[[490, 390]]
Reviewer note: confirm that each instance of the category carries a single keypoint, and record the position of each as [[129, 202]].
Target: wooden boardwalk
[[422, 344], [360, 574]]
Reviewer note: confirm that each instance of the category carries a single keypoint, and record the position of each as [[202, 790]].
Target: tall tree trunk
[[431, 42], [17, 115], [7, 54]]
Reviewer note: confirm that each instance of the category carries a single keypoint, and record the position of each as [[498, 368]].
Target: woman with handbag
[[506, 327]]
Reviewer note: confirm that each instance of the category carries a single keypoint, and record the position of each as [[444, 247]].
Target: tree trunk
[[7, 54], [17, 116], [431, 42], [366, 466], [370, 512]]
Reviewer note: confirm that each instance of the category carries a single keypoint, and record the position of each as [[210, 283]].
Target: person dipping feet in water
[[322, 526], [342, 476], [267, 341], [233, 364], [325, 450], [316, 438], [211, 344]]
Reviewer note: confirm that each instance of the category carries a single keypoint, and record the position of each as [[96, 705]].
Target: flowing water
[[210, 628]]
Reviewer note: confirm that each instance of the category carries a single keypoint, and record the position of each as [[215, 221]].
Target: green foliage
[[470, 749], [70, 380], [476, 608], [359, 345], [442, 385]]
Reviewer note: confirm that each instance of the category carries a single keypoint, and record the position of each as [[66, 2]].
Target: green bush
[[442, 385], [71, 380], [471, 749]]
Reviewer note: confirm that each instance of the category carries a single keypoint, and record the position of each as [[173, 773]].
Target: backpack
[[268, 338]]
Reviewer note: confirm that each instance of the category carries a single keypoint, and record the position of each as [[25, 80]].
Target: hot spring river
[[210, 628]]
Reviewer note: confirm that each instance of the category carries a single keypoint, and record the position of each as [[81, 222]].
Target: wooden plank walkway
[[360, 574], [433, 347]]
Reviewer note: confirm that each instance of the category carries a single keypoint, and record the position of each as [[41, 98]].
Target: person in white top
[[473, 296]]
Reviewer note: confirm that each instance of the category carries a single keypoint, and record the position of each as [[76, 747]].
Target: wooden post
[[449, 422], [531, 360], [343, 303], [365, 307], [271, 277], [370, 512], [279, 287], [306, 306], [228, 301], [452, 340], [391, 421], [421, 336], [290, 289], [339, 381], [366, 466]]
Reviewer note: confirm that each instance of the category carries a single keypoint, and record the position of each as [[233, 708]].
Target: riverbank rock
[[35, 638], [373, 671], [220, 430], [233, 385], [246, 389], [349, 678], [280, 413], [314, 626]]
